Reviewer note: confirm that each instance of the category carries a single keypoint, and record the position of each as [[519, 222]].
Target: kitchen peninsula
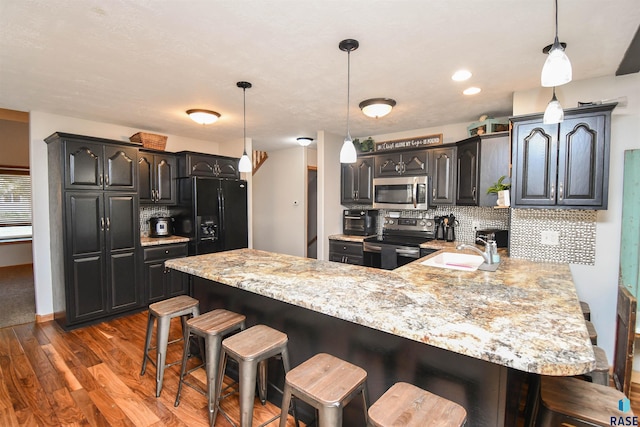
[[467, 336]]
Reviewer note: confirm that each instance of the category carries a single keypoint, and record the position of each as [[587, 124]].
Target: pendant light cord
[[244, 115], [556, 41], [348, 89]]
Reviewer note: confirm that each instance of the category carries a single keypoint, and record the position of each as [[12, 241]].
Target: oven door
[[401, 193], [388, 257]]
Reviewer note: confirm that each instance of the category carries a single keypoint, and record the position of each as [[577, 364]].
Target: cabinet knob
[[166, 251]]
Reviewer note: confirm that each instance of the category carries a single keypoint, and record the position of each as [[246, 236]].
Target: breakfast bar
[[469, 336]]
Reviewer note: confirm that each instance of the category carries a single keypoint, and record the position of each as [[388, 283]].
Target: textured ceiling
[[142, 63]]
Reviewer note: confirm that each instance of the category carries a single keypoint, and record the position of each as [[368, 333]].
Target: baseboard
[[41, 318]]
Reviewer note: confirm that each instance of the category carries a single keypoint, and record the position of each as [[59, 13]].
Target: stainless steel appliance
[[213, 213], [411, 192], [160, 226], [359, 222], [500, 236], [399, 243]]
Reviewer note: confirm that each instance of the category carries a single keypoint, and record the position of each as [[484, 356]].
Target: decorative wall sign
[[409, 143]]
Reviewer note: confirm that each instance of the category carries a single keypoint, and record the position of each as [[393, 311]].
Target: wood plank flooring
[[91, 377]]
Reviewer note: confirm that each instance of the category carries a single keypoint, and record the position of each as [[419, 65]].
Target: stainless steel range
[[399, 243]]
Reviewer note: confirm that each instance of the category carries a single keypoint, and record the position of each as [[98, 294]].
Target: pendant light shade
[[348, 152], [553, 113], [557, 68], [245, 162]]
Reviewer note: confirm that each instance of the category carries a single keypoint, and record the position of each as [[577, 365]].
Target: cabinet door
[[468, 174], [85, 289], [581, 161], [535, 163], [177, 283], [83, 165], [165, 184], [388, 165], [348, 183], [122, 236], [120, 168], [145, 177], [227, 168], [154, 278], [364, 180], [415, 162], [443, 174], [200, 165]]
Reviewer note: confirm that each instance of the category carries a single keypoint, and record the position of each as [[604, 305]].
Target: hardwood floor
[[91, 377]]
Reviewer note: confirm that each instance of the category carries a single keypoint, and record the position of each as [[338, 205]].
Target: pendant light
[[557, 68], [348, 151], [553, 113], [245, 162]]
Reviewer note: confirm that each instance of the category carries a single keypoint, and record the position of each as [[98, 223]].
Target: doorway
[[312, 212]]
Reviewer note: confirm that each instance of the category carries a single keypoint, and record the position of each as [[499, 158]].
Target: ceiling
[[143, 63]]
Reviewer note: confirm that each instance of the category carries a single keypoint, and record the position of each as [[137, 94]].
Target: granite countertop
[[347, 238], [167, 240], [525, 316]]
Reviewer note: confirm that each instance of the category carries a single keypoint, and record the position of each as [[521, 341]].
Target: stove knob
[[390, 221], [423, 222], [429, 223]]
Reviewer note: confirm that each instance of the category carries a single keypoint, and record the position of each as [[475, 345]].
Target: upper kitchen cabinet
[[357, 182], [403, 163], [195, 164], [564, 165], [442, 168], [157, 173], [481, 161], [92, 164]]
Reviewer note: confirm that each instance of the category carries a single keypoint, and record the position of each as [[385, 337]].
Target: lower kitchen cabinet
[[345, 252], [160, 282]]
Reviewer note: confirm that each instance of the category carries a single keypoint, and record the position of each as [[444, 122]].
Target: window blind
[[15, 197]]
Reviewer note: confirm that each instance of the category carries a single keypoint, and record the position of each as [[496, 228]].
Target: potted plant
[[502, 190]]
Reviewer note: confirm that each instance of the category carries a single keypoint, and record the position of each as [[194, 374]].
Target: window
[[15, 203]]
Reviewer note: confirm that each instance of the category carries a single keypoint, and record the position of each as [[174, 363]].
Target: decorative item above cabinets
[[562, 165]]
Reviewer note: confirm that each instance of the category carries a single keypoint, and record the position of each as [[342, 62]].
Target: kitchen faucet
[[490, 249]]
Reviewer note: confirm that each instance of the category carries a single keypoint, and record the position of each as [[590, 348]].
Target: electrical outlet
[[550, 237]]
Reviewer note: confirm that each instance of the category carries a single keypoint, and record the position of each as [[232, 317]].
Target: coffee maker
[[445, 227]]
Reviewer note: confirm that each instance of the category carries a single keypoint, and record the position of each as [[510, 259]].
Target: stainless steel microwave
[[410, 192]]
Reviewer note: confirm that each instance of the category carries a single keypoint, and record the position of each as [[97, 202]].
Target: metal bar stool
[[251, 348], [212, 326], [326, 383], [181, 306], [407, 405]]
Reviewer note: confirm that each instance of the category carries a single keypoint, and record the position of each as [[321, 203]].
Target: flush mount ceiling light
[[377, 107], [461, 75], [245, 162], [348, 150], [203, 117], [304, 140], [553, 113], [557, 68], [471, 90]]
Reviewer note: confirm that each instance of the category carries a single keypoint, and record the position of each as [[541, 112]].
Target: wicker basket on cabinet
[[149, 140]]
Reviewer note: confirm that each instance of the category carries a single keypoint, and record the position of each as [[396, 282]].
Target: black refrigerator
[[213, 214]]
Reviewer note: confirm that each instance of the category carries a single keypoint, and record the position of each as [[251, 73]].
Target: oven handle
[[352, 217], [368, 247], [410, 252]]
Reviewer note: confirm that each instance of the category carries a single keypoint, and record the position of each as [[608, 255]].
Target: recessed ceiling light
[[471, 90], [461, 75]]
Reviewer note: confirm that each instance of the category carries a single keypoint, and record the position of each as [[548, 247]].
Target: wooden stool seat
[[409, 406], [327, 383], [251, 348], [182, 306], [593, 334], [212, 326], [567, 400], [600, 374]]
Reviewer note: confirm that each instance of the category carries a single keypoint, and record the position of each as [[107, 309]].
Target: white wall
[[450, 133], [41, 126], [15, 254], [597, 284], [329, 208], [279, 209]]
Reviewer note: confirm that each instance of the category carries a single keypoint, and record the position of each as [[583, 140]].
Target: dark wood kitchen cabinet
[[345, 252], [481, 161], [157, 173], [197, 164], [160, 282], [357, 182], [93, 165], [442, 168], [563, 165], [95, 228], [403, 163]]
